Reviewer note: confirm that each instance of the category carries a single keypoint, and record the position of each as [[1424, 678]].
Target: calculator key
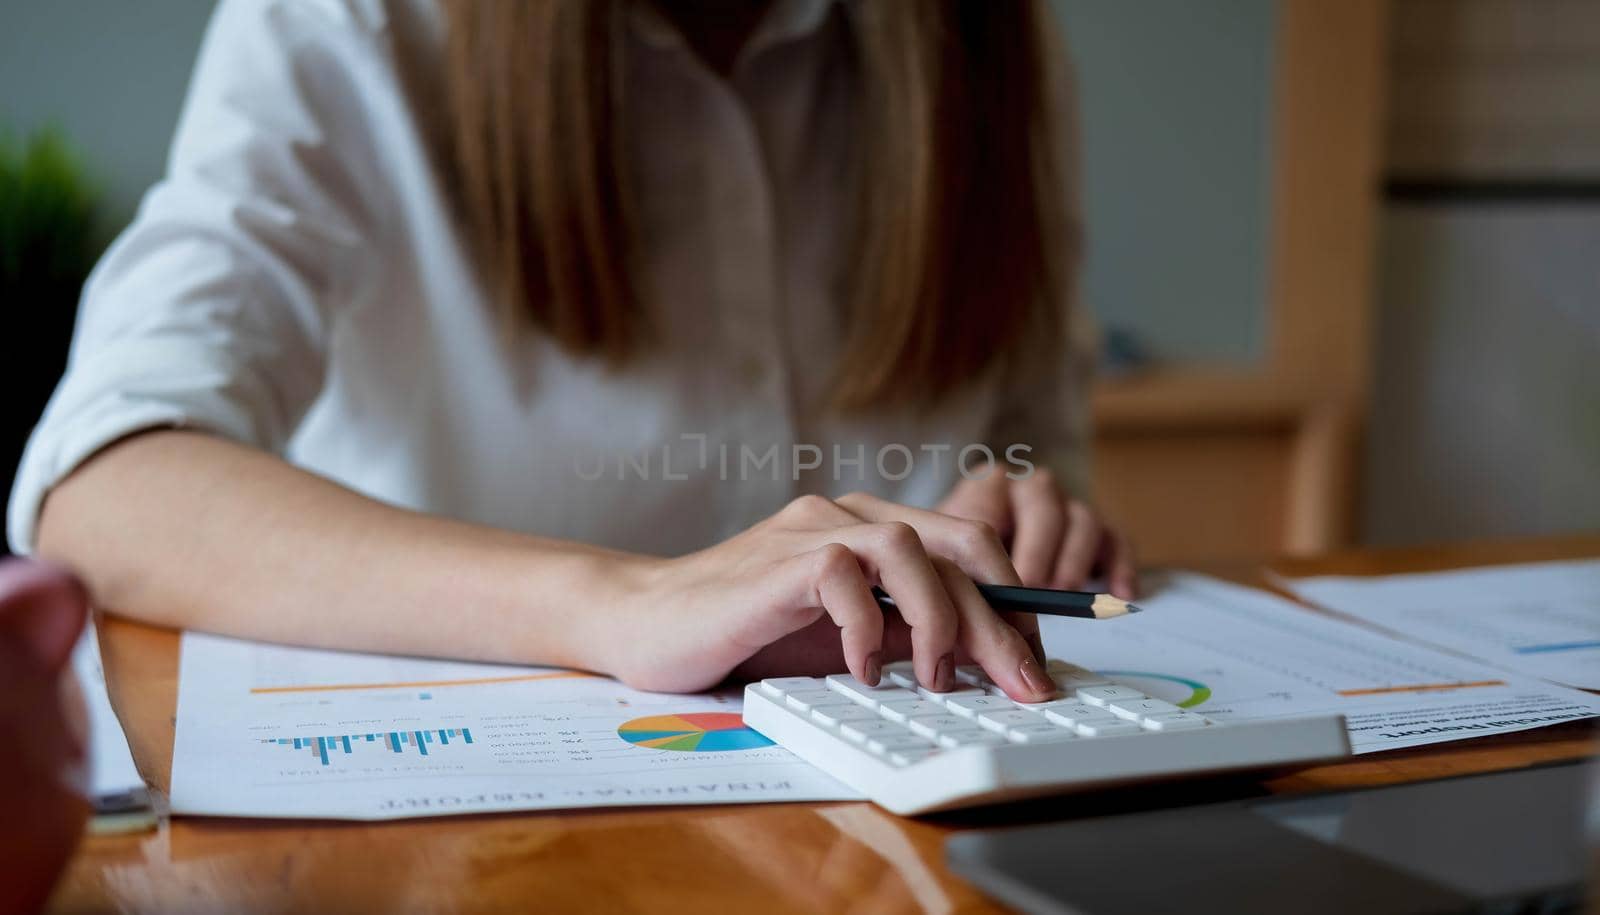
[[869, 696], [908, 756], [1069, 677], [1073, 714], [931, 726], [1041, 732], [1107, 727], [904, 710], [1048, 703], [964, 692], [884, 743], [1182, 721], [972, 675], [901, 673], [1105, 695], [953, 740], [1002, 721], [861, 731], [778, 686], [834, 715], [807, 699], [1142, 708], [970, 706]]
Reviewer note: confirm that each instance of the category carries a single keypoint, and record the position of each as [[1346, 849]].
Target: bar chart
[[327, 748]]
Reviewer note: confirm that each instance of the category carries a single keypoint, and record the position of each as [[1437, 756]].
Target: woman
[[637, 337]]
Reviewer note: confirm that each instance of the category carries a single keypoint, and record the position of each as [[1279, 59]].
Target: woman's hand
[[793, 594], [1056, 541], [44, 727]]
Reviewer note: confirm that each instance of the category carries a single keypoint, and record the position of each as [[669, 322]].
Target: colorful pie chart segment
[[701, 732]]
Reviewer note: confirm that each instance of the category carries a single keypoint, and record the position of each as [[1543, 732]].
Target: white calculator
[[912, 750]]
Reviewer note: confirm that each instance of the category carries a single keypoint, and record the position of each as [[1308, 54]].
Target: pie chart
[[701, 732]]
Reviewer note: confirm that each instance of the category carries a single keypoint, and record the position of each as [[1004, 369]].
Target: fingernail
[[1033, 675], [874, 669], [944, 675], [1037, 644]]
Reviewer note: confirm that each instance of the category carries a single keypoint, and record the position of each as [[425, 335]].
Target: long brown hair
[[961, 245]]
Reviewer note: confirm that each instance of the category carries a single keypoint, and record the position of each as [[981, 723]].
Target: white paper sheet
[[1541, 619], [1236, 653], [496, 738], [113, 778]]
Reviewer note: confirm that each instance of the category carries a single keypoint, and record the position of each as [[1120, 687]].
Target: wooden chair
[[1207, 463]]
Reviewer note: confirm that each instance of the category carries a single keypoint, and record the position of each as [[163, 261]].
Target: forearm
[[187, 530]]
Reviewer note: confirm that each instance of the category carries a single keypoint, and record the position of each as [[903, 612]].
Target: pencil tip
[[1135, 608]]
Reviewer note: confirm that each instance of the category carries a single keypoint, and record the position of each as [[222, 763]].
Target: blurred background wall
[[1484, 413]]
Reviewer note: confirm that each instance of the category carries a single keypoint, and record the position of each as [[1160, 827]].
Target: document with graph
[[270, 731], [1540, 618], [1237, 653]]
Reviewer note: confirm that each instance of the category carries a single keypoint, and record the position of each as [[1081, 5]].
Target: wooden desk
[[789, 857]]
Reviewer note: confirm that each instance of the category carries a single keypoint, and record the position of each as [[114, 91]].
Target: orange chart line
[[413, 684], [1418, 688]]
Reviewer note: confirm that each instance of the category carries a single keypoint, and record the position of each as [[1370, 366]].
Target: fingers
[[972, 545], [983, 498], [1041, 521], [1079, 548], [1122, 567], [895, 557], [844, 594], [1003, 652]]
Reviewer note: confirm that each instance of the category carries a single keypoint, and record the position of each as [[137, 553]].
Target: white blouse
[[296, 283]]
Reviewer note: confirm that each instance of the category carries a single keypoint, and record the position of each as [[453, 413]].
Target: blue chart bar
[[391, 742]]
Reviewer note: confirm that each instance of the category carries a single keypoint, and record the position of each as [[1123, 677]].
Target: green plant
[[46, 221], [47, 246]]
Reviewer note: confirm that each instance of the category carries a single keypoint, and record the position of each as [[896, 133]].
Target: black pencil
[[1048, 602]]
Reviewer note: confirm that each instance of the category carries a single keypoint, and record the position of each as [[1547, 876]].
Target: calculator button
[[835, 715], [931, 726], [1182, 721], [952, 740], [807, 699], [907, 709], [1073, 714], [972, 675], [1001, 721], [1048, 703], [884, 743], [901, 673], [777, 686], [966, 691], [1142, 708], [869, 696], [1107, 727], [1039, 733], [860, 731], [1105, 695], [911, 755], [970, 706], [1069, 677]]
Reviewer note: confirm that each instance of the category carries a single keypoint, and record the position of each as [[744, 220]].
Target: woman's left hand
[[1055, 540]]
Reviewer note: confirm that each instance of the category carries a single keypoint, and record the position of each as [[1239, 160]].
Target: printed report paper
[[114, 780], [1235, 653], [1541, 619], [271, 731]]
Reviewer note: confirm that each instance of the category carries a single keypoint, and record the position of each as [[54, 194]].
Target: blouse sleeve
[[213, 309], [1045, 390]]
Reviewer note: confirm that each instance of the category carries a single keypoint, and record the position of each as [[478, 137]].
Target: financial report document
[[1539, 618], [114, 780], [270, 731], [1234, 653]]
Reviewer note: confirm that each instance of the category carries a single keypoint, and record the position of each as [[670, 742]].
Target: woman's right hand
[[793, 595]]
